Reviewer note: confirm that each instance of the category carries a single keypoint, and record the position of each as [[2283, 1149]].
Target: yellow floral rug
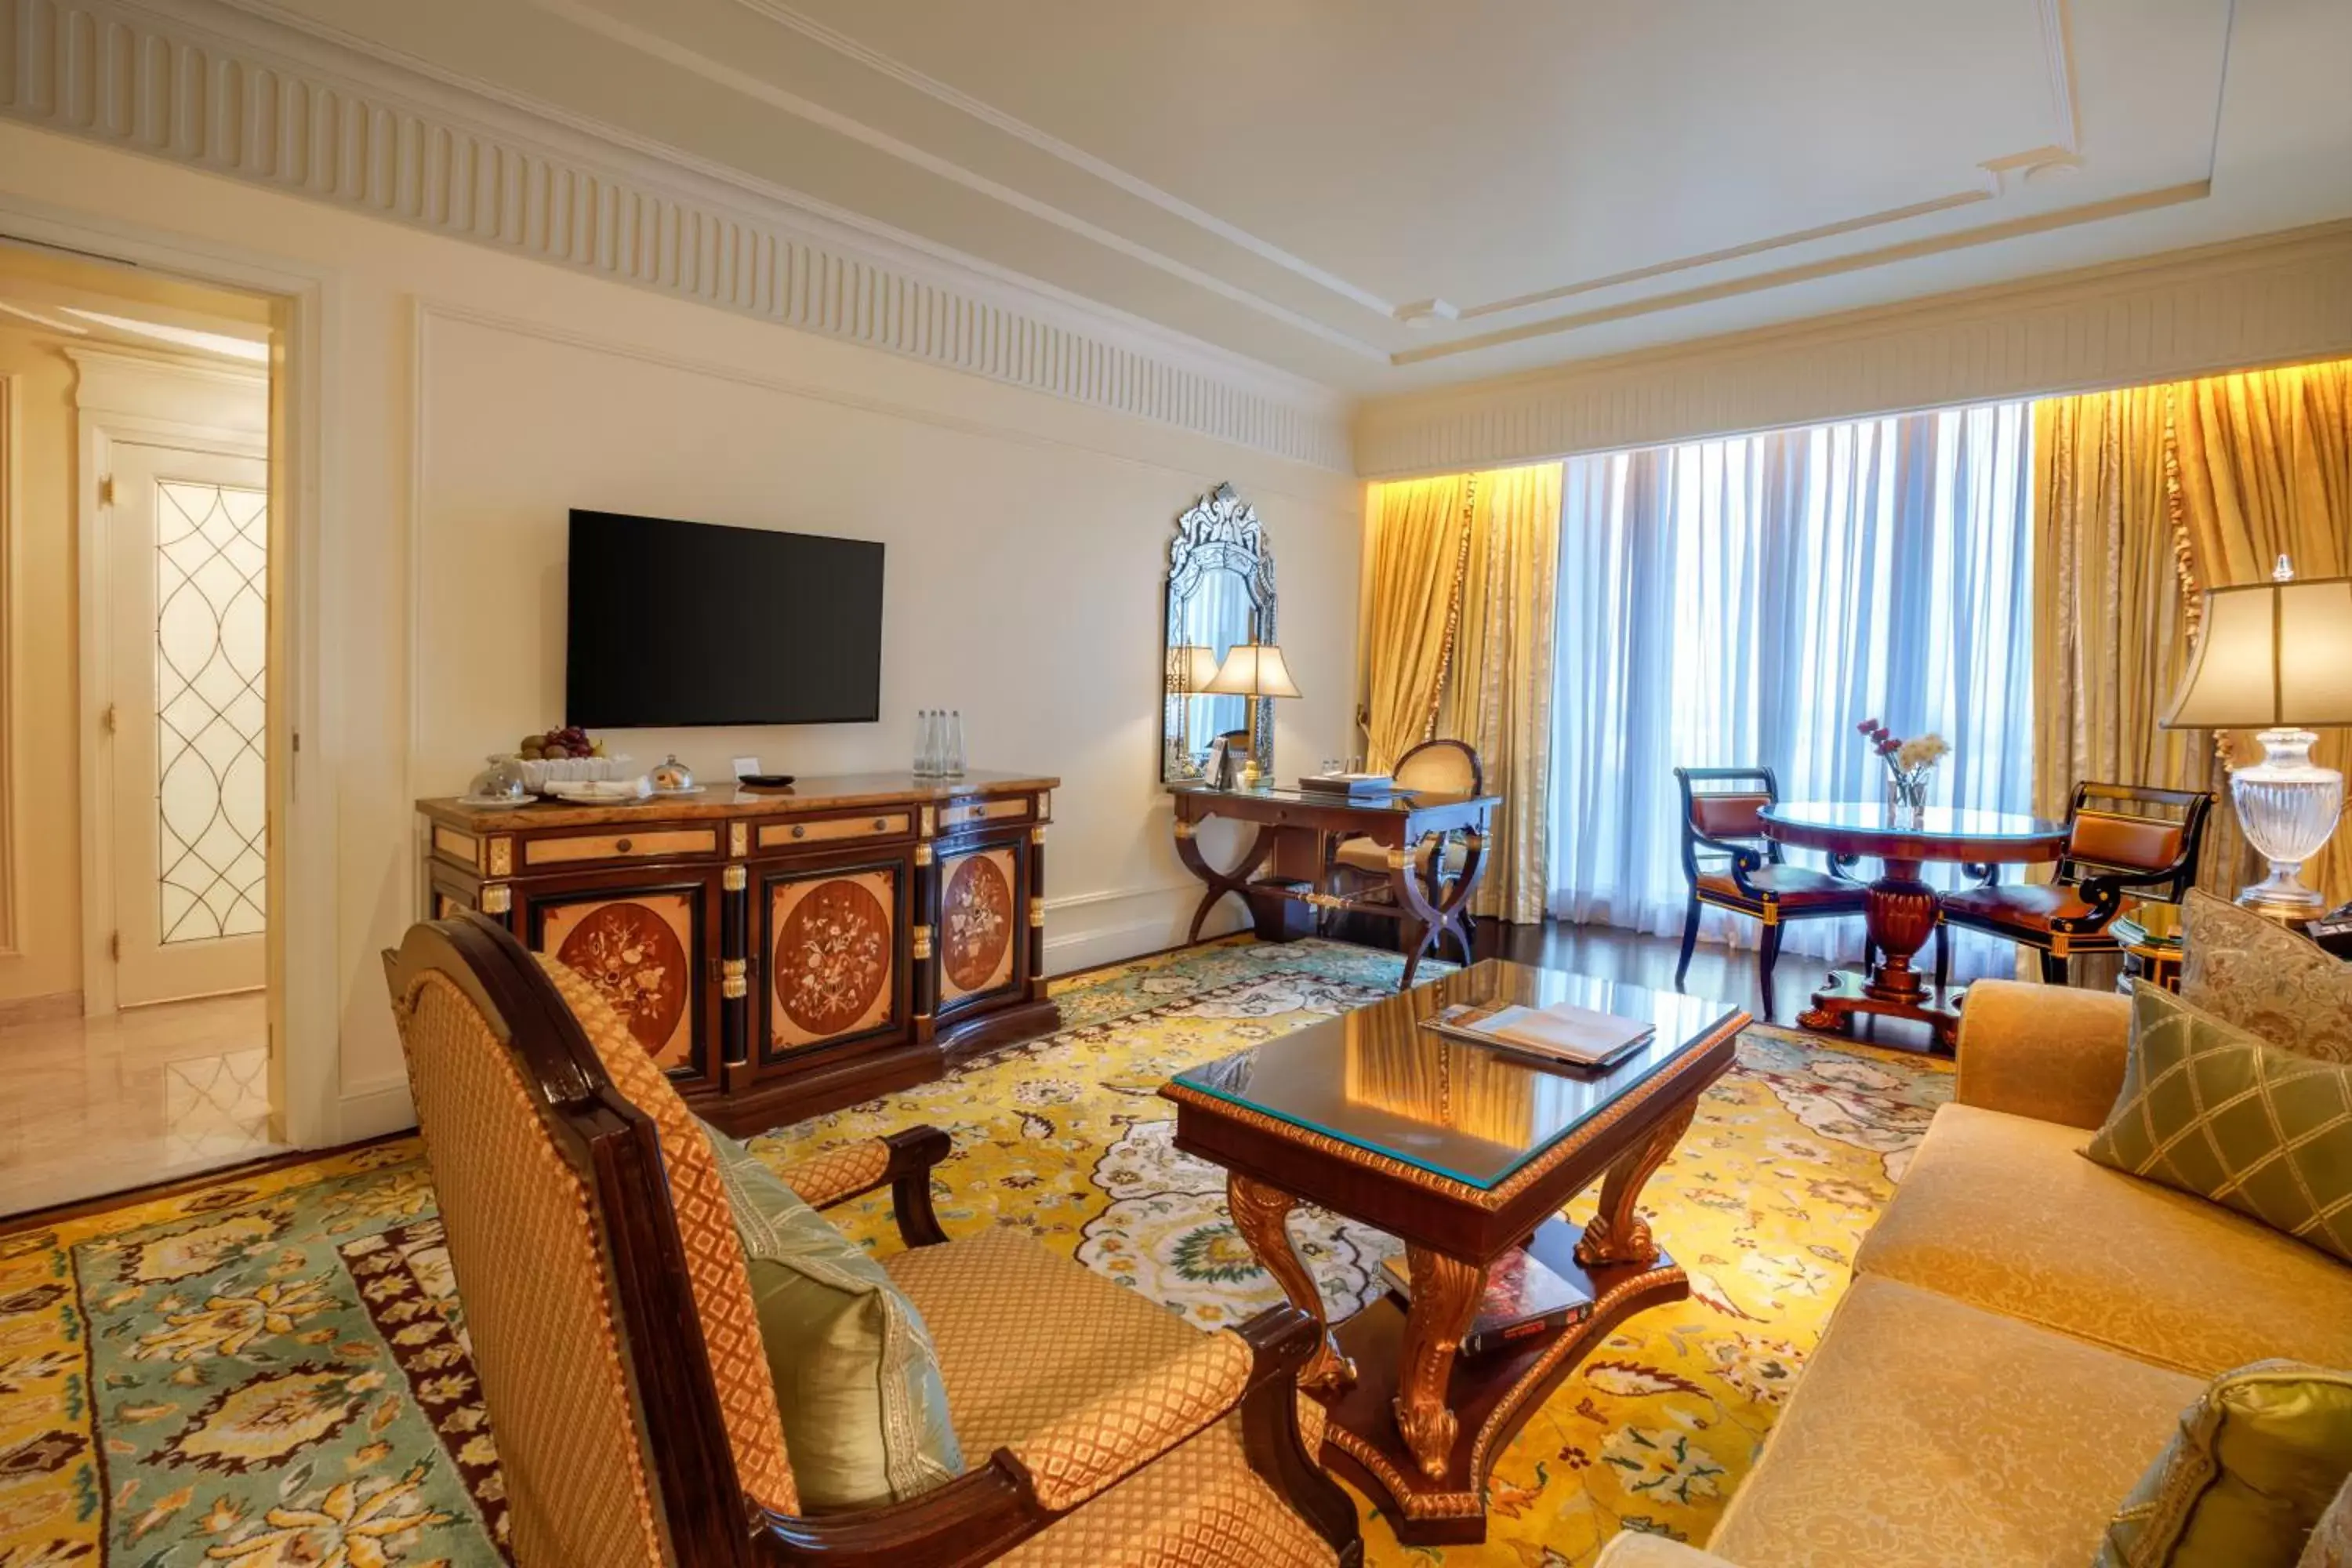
[[272, 1372]]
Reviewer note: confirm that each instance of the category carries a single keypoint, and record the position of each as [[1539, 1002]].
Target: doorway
[[136, 1007]]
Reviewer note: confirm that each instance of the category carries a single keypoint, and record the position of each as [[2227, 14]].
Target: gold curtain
[[1458, 643], [1420, 544], [2263, 468], [1499, 697], [2144, 499]]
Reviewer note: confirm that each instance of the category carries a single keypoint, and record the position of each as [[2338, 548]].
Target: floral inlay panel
[[634, 951], [830, 970], [976, 919]]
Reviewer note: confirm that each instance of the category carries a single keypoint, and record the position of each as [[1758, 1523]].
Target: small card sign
[[746, 766]]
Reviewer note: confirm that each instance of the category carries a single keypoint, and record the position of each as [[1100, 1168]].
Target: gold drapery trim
[[1453, 609]]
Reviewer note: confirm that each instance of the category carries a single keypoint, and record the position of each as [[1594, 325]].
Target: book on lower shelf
[[1562, 1032], [1525, 1300]]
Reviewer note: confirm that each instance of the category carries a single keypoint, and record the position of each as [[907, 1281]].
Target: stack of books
[[1354, 785], [1562, 1032], [1525, 1300]]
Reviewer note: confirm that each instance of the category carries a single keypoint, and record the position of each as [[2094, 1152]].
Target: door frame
[[109, 380], [305, 967]]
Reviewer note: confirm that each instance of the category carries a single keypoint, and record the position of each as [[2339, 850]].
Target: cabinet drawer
[[653, 844], [968, 812], [835, 829]]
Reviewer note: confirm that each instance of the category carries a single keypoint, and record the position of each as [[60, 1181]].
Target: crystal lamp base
[[2288, 806]]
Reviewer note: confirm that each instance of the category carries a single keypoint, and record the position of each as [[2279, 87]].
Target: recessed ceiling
[[1382, 195]]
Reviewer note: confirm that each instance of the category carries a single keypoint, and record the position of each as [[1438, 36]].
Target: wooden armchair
[[1730, 865], [608, 1309], [2122, 840]]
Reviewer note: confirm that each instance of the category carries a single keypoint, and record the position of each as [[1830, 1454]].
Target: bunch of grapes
[[572, 740]]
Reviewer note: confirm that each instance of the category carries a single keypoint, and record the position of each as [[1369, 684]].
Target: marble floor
[[91, 1106]]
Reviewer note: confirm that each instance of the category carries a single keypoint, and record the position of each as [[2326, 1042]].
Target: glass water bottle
[[951, 763]]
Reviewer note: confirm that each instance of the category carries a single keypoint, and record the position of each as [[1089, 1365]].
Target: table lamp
[[2276, 657], [1253, 669]]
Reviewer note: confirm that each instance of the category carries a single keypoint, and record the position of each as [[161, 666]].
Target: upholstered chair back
[[552, 1196], [2135, 830], [1729, 815], [1440, 767]]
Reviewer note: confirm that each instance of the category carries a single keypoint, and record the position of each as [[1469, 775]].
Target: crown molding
[[243, 94], [2266, 300]]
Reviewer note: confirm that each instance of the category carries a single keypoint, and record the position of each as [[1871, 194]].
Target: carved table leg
[[1426, 923], [1618, 1233], [1446, 1294], [1260, 1213], [1900, 910], [1221, 882]]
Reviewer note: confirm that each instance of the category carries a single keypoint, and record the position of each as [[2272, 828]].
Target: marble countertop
[[816, 793]]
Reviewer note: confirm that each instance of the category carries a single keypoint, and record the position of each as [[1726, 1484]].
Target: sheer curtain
[[1750, 601]]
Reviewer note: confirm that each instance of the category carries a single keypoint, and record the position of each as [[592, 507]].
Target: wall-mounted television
[[678, 624]]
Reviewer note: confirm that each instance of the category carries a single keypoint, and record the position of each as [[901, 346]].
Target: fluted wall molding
[[2272, 299], [240, 96]]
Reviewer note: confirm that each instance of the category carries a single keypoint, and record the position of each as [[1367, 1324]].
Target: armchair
[[1433, 767], [596, 1280], [2122, 840], [1730, 865]]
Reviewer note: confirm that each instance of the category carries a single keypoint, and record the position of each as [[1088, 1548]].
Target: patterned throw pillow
[[2211, 1110], [2251, 1471], [856, 1375], [2265, 978]]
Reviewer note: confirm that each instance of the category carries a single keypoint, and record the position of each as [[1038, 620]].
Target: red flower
[[1869, 727], [1889, 746]]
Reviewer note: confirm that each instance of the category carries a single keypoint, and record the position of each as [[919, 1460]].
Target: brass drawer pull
[[881, 824], [799, 830], [621, 846]]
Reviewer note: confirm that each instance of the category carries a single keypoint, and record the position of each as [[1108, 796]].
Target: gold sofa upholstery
[[607, 1300], [2023, 1329]]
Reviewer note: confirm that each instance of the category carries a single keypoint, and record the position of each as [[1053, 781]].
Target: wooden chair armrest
[[974, 1519], [901, 1161], [2051, 1052], [1745, 858]]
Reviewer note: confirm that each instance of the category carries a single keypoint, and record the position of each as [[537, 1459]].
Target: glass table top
[[1928, 822], [1376, 1079]]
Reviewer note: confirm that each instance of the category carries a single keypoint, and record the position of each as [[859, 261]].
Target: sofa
[[2023, 1330]]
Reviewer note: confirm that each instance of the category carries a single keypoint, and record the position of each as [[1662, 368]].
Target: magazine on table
[[1524, 1299], [1562, 1032]]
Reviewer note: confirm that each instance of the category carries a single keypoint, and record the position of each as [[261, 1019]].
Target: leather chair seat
[[2016, 906], [1366, 856], [1791, 887]]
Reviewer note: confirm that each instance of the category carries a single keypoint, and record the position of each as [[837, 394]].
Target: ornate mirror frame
[[1220, 532]]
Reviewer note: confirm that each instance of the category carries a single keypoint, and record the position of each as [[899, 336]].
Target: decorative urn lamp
[[1253, 669], [2276, 657]]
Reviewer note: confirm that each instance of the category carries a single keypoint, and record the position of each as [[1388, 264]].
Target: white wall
[[470, 398]]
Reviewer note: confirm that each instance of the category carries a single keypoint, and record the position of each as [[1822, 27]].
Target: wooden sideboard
[[781, 955]]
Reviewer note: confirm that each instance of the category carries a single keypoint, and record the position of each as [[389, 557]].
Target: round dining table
[[1900, 910]]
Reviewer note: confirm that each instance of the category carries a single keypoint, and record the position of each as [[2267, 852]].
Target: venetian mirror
[[1220, 593]]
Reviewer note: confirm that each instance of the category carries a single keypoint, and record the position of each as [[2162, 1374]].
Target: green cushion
[[858, 1380], [2213, 1109], [2254, 1465]]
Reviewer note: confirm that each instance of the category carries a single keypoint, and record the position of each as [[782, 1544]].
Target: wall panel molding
[[2271, 299], [183, 81]]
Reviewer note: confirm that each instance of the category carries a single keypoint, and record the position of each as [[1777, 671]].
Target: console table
[[781, 955], [1298, 829]]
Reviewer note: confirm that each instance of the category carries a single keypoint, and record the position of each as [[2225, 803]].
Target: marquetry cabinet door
[[828, 942], [647, 939], [983, 920]]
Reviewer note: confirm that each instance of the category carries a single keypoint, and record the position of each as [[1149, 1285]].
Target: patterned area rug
[[273, 1372]]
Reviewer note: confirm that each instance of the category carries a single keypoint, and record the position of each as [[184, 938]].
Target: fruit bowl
[[542, 774]]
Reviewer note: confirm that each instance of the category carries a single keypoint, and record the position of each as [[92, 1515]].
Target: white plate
[[674, 794], [494, 803]]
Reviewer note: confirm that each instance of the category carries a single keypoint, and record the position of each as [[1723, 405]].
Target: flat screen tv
[[676, 623]]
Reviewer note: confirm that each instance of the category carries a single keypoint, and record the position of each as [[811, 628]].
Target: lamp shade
[[1190, 667], [2273, 654], [1253, 669]]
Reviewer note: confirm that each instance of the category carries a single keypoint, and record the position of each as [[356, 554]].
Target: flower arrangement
[[1909, 762]]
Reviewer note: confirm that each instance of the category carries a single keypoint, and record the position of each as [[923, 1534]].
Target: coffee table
[[1464, 1154]]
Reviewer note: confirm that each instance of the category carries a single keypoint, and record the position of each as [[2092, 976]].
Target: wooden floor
[[90, 1105]]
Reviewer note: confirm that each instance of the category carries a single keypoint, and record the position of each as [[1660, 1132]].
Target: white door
[[186, 637]]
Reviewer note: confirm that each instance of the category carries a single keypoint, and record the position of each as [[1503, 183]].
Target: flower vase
[[1906, 791]]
